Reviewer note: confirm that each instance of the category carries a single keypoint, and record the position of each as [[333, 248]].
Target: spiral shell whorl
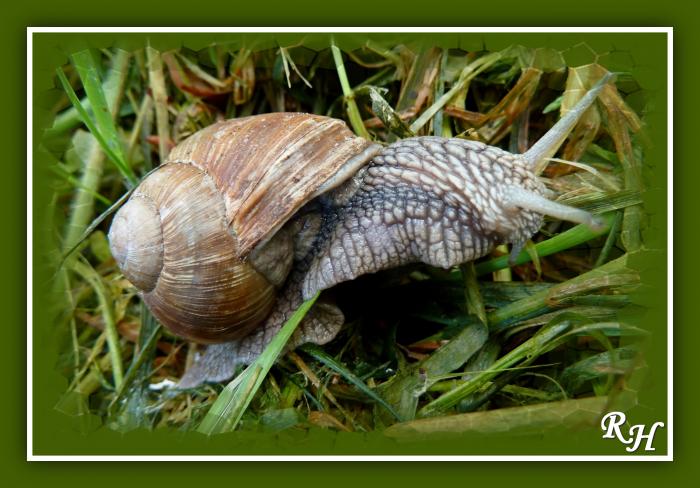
[[136, 241]]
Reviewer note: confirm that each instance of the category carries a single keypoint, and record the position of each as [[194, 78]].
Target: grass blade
[[527, 419], [88, 148], [472, 295], [405, 388], [103, 128], [319, 355], [610, 240], [525, 352], [572, 237], [148, 338], [91, 126], [60, 171], [353, 112], [88, 273], [612, 274], [160, 99], [87, 70]]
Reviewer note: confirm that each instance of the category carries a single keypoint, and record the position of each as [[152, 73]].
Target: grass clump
[[422, 348]]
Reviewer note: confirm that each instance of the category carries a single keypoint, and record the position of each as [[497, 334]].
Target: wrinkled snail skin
[[306, 219]]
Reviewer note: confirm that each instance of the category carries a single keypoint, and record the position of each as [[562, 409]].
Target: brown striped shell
[[184, 236]]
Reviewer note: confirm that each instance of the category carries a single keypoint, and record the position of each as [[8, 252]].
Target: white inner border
[[185, 30]]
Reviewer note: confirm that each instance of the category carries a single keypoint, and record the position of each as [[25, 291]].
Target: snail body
[[249, 217]]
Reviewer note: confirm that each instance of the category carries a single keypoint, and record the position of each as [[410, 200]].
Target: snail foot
[[218, 362]]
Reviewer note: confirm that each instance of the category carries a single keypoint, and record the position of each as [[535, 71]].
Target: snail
[[250, 217]]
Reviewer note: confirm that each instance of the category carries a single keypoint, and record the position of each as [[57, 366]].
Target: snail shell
[[185, 236]]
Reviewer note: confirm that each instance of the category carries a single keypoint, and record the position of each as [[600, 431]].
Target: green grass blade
[[89, 76], [319, 355], [528, 419], [88, 149], [228, 409], [123, 168], [610, 240], [608, 363], [410, 383], [148, 338], [572, 237], [527, 351], [353, 112], [616, 273], [160, 100], [472, 295], [88, 273], [97, 221], [60, 171], [93, 225]]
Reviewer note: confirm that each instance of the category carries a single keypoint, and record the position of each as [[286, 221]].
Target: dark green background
[[503, 13]]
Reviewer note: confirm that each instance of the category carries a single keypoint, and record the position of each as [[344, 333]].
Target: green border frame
[[680, 15], [642, 54]]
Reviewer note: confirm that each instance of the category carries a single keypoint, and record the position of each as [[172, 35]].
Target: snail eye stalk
[[516, 197]]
